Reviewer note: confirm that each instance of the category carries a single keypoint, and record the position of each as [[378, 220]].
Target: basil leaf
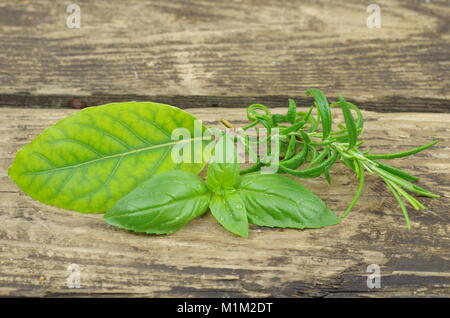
[[222, 176], [323, 108], [89, 160], [277, 201], [162, 204], [229, 210]]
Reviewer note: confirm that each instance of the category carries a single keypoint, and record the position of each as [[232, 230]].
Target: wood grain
[[225, 53], [38, 242]]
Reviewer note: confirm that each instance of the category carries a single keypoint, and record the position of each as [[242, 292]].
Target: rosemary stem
[[226, 123], [360, 170]]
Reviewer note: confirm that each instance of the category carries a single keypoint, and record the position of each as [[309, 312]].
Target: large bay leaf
[[91, 159]]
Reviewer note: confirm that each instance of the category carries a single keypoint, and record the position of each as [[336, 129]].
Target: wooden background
[[225, 53], [216, 57]]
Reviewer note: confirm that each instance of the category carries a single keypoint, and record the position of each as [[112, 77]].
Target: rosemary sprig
[[303, 144]]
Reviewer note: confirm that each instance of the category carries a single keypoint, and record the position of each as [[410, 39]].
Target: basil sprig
[[166, 202]]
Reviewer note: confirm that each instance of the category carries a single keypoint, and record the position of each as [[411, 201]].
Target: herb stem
[[400, 202], [360, 173], [227, 124]]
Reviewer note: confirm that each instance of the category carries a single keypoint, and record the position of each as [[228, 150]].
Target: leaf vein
[[104, 132], [130, 129], [45, 158], [107, 181], [153, 123], [131, 152], [81, 143]]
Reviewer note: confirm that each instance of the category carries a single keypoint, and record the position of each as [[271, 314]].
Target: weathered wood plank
[[207, 53], [38, 242]]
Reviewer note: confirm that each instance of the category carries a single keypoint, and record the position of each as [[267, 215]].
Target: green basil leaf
[[323, 108], [89, 160], [229, 211], [222, 176], [162, 204], [277, 201]]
